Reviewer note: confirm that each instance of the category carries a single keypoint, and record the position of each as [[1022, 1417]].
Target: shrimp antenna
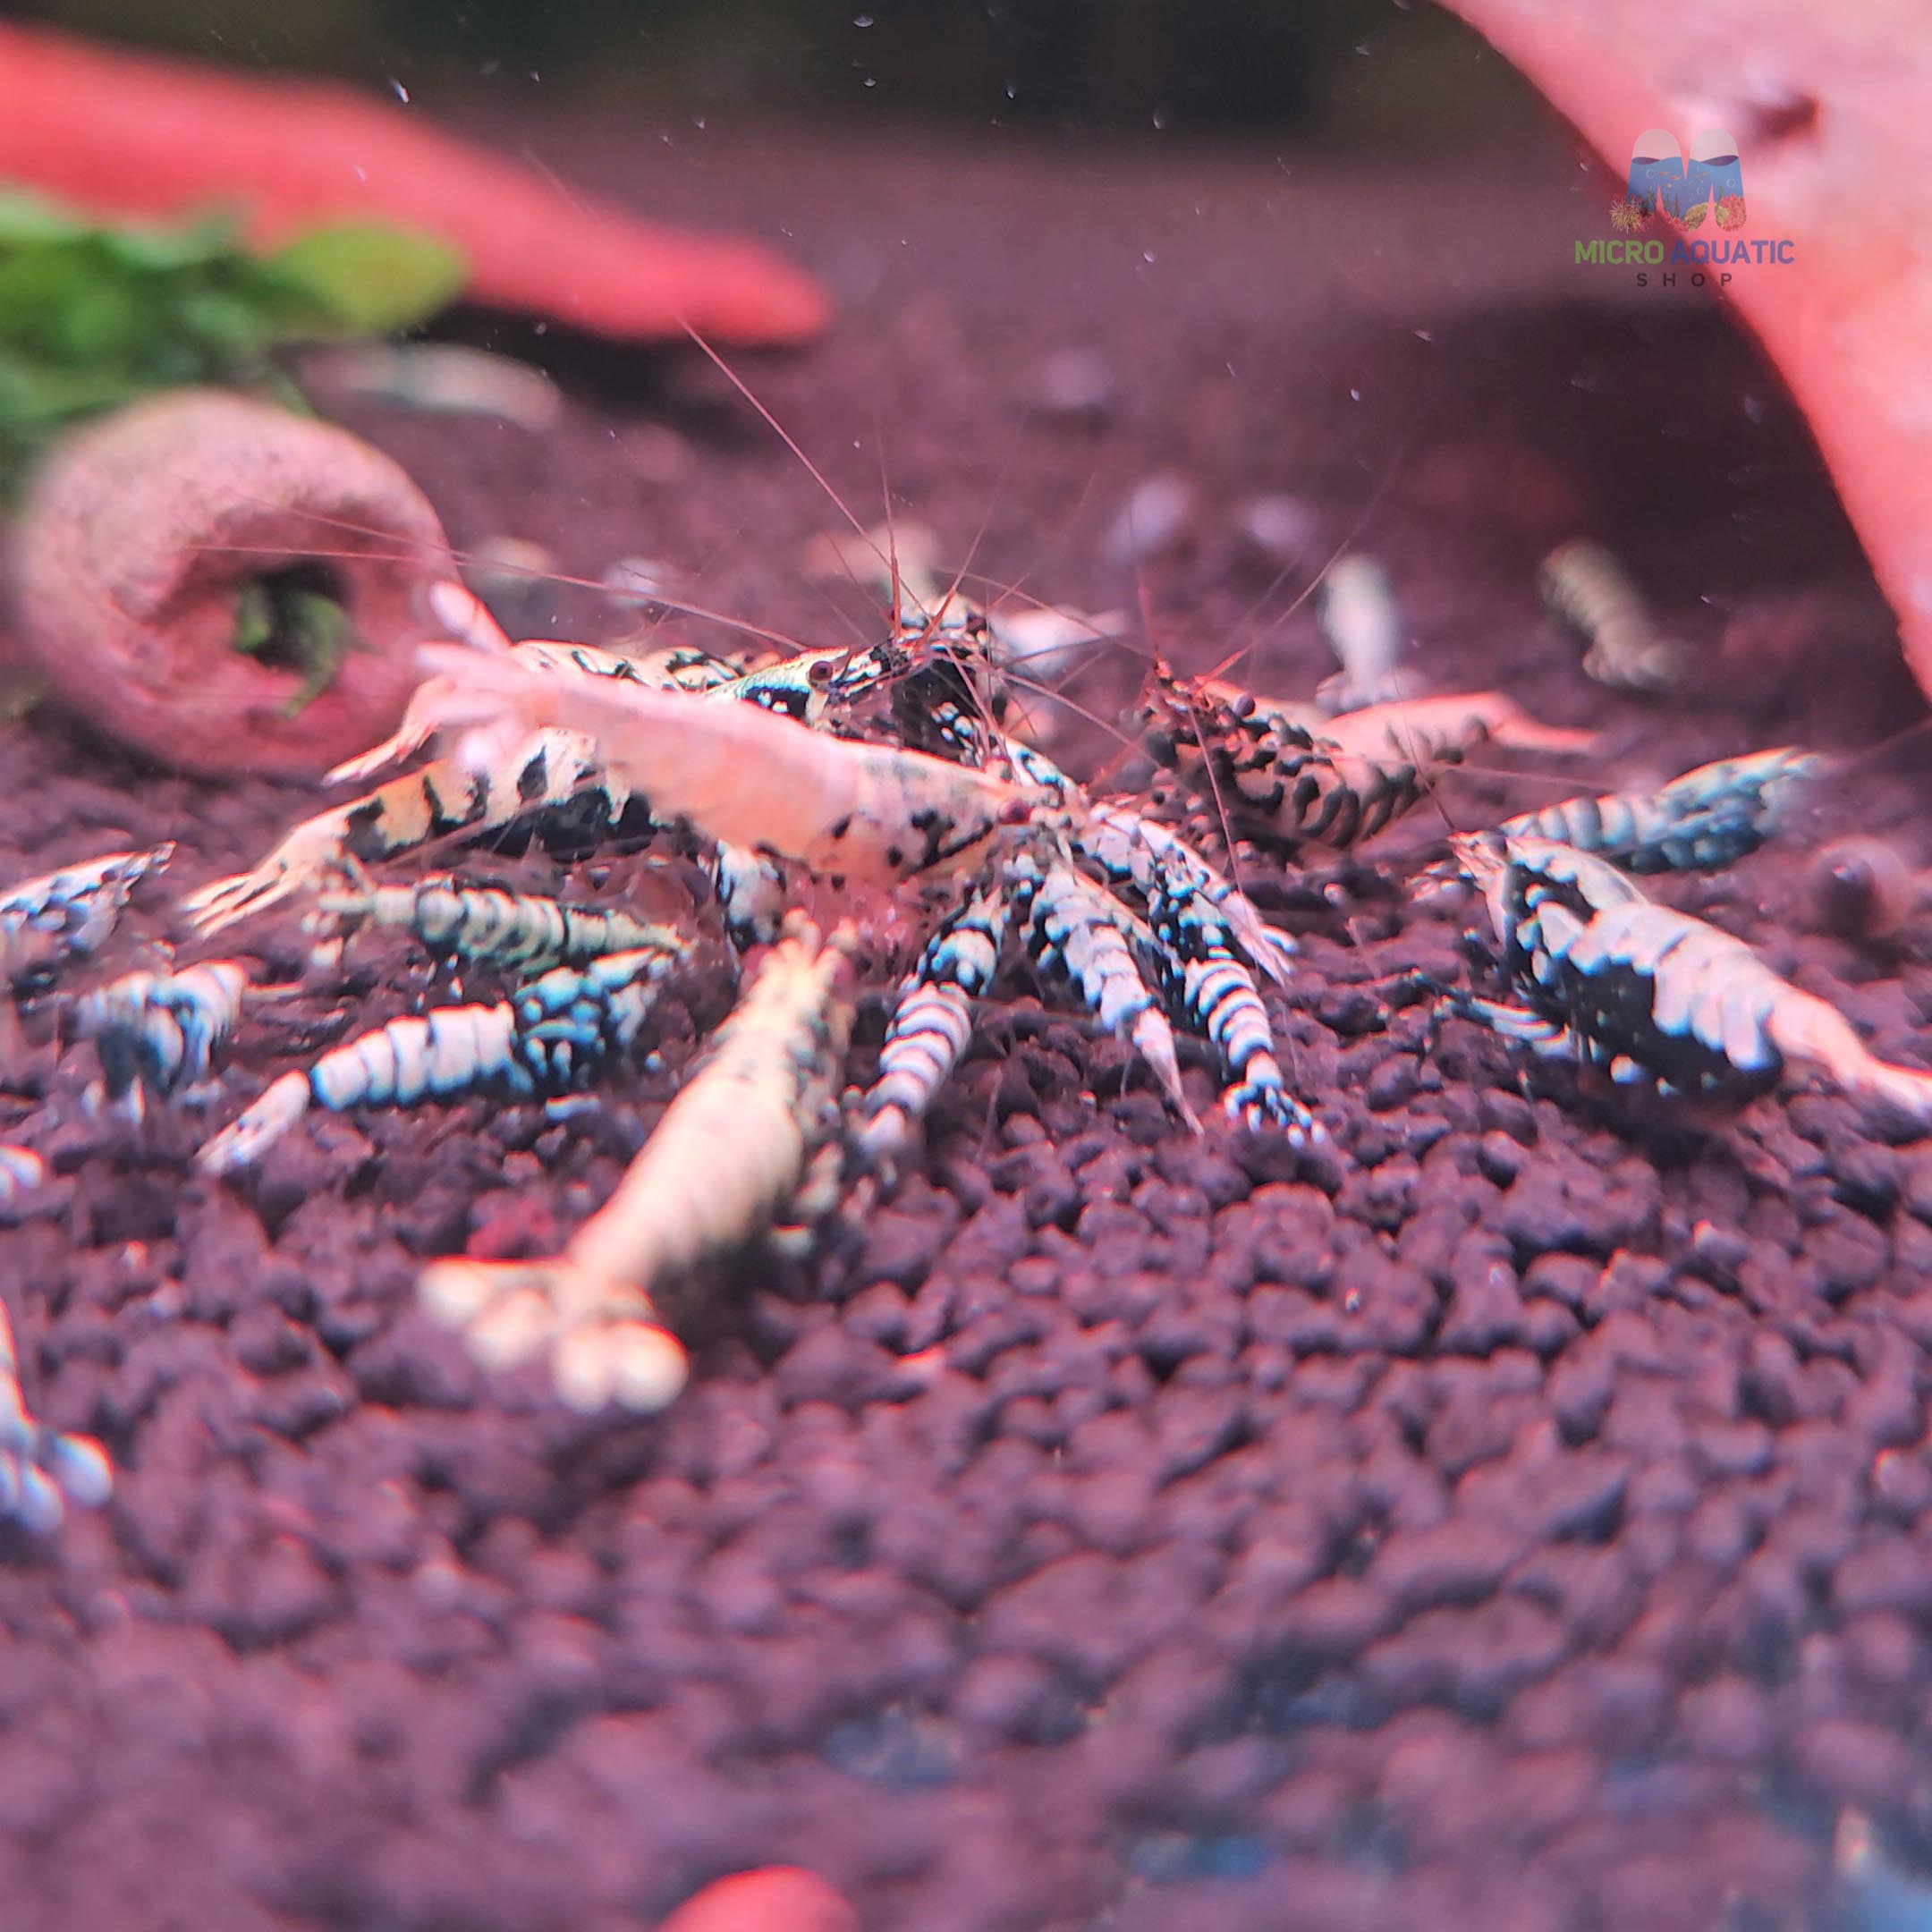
[[892, 527], [1144, 599], [778, 429], [724, 368], [1301, 596], [564, 188]]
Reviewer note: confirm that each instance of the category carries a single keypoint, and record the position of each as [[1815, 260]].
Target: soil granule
[[1516, 1514]]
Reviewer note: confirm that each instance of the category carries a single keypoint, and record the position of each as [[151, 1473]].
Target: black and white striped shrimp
[[1708, 818], [1209, 987], [157, 1033], [527, 932], [754, 1134], [42, 1468], [1653, 995], [1080, 932], [1128, 846], [1521, 878], [1217, 999], [21, 1171], [550, 773], [1198, 926], [46, 922], [1337, 782], [553, 1037], [1587, 586]]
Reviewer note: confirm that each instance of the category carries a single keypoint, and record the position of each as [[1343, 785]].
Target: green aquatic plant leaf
[[320, 635], [302, 629], [28, 217], [93, 315], [373, 277]]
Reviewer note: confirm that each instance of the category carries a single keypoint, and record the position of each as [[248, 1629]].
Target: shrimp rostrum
[[1705, 819], [520, 931], [1654, 996]]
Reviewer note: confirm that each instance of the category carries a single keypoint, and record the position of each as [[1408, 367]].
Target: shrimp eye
[[820, 672]]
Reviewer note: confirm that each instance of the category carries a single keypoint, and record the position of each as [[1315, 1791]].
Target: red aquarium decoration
[[121, 134]]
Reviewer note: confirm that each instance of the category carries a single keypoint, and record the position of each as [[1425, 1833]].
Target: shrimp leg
[[1083, 935], [932, 1022], [157, 1033], [551, 1038], [39, 1466]]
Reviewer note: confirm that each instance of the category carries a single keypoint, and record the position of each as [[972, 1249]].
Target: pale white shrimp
[[740, 774], [1364, 626], [756, 1128], [1587, 586], [1421, 731]]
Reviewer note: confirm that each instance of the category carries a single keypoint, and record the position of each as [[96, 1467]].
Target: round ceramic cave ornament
[[223, 586]]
